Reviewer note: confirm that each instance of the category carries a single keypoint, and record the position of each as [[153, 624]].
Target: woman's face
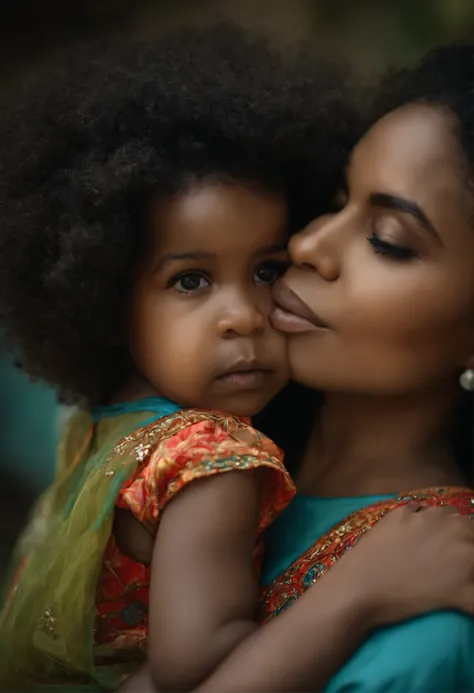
[[380, 298]]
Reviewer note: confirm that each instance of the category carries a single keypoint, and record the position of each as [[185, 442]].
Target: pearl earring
[[466, 380]]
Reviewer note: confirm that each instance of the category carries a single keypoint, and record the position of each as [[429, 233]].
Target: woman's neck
[[378, 445]]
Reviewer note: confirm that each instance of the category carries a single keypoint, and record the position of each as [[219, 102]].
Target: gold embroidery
[[317, 560], [48, 621]]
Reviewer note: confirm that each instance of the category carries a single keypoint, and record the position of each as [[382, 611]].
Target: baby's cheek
[[182, 371]]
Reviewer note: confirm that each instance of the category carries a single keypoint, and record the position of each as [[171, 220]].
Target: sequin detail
[[315, 562], [173, 452], [48, 622]]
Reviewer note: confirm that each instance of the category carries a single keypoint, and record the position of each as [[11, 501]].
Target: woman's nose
[[316, 248], [241, 317]]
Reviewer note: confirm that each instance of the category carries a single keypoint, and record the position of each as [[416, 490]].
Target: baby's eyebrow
[[195, 255], [269, 249], [203, 255]]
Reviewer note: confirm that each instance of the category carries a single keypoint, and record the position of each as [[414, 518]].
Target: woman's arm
[[394, 573], [424, 655], [203, 599], [303, 647], [298, 651]]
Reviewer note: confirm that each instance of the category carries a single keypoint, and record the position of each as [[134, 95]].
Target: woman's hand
[[415, 560]]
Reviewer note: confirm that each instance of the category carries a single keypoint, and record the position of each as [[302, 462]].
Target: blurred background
[[371, 35]]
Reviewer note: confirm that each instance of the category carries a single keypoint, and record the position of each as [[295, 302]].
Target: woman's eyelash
[[394, 252]]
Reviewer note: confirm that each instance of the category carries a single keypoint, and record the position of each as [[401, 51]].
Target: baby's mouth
[[245, 375]]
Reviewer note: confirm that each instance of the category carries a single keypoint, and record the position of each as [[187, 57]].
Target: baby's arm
[[204, 589], [382, 580], [298, 651]]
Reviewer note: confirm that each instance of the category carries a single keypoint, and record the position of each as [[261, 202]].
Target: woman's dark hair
[[83, 146], [444, 78]]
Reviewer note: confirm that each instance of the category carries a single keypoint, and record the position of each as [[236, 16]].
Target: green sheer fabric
[[47, 623]]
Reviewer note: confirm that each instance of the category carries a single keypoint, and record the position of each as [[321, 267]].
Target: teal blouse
[[430, 654]]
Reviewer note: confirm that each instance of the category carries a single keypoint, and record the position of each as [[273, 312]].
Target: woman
[[379, 310]]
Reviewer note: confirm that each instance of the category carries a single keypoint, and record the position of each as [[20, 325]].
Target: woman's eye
[[270, 272], [190, 282], [390, 250]]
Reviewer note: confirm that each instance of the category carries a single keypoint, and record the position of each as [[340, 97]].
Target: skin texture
[[200, 309], [204, 586], [395, 292], [383, 311], [196, 317]]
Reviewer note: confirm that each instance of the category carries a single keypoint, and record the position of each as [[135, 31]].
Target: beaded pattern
[[172, 453], [317, 560]]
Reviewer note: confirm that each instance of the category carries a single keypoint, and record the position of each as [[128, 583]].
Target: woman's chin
[[314, 370]]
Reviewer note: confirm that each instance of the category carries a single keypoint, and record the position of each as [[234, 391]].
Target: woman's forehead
[[413, 134], [414, 149]]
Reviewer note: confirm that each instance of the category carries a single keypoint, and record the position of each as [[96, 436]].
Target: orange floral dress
[[184, 447]]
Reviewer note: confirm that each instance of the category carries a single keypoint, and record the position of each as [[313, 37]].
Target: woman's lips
[[289, 322], [291, 314]]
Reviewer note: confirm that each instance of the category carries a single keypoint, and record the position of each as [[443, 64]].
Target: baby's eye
[[190, 282], [270, 272]]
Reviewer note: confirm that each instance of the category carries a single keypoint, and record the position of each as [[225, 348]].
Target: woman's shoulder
[[428, 654]]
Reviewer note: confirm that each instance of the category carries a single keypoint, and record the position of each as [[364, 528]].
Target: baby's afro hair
[[83, 143]]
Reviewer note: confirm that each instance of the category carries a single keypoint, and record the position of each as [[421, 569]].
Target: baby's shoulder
[[219, 433], [213, 433], [190, 445]]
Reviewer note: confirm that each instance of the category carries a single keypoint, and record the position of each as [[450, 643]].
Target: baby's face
[[199, 329]]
